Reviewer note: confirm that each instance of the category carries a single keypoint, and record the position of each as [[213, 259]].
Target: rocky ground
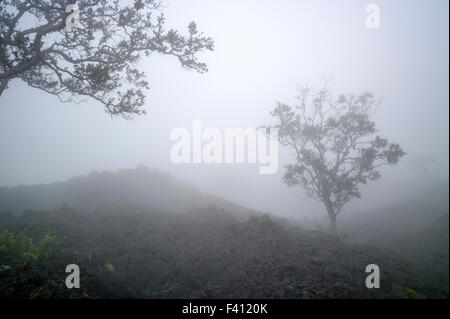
[[202, 254]]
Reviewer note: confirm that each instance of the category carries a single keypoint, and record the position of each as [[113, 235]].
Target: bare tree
[[97, 59], [334, 145]]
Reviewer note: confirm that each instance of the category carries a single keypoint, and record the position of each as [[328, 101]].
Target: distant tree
[[42, 45], [334, 146]]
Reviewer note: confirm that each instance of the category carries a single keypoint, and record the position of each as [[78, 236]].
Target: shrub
[[19, 248]]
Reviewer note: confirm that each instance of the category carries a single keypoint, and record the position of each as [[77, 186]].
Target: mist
[[263, 51]]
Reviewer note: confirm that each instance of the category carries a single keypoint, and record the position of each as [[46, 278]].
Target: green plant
[[16, 248], [411, 294], [47, 246], [19, 248], [109, 267]]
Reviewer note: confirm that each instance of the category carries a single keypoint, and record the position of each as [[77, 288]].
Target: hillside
[[141, 234], [206, 254], [427, 249], [142, 187], [408, 216], [416, 230]]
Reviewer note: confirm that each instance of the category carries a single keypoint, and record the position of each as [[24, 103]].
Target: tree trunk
[[333, 229], [3, 84], [332, 216]]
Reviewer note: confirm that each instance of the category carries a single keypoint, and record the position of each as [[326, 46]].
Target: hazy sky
[[263, 50]]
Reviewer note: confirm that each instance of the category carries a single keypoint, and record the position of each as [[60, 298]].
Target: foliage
[[19, 248], [334, 145], [109, 267], [47, 246], [16, 248], [411, 294], [97, 59]]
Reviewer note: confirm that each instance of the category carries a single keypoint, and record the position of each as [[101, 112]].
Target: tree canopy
[[95, 58], [334, 145]]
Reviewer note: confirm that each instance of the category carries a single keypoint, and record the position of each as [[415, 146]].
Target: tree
[[89, 48], [334, 146]]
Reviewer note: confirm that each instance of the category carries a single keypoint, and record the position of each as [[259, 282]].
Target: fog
[[115, 197], [263, 51]]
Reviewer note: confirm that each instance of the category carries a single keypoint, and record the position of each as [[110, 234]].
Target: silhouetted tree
[[334, 146], [41, 44]]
